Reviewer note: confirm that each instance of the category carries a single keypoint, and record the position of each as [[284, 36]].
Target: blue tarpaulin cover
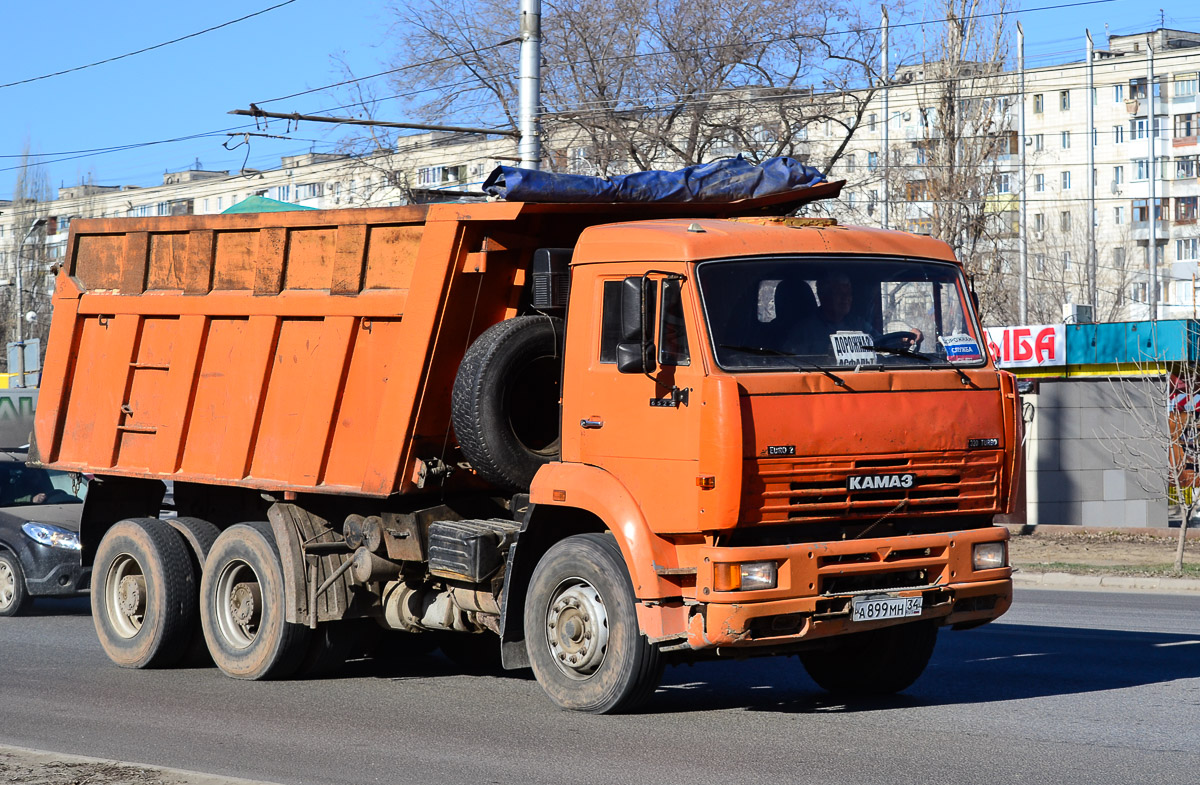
[[727, 180]]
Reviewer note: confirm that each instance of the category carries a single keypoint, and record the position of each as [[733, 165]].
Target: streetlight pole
[[20, 315]]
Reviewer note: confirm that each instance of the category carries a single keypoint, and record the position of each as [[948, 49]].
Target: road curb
[[1065, 580], [79, 768]]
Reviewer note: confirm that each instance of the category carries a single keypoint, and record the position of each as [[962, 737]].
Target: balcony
[[1183, 141]]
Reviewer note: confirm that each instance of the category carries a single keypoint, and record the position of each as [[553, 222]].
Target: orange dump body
[[302, 351]]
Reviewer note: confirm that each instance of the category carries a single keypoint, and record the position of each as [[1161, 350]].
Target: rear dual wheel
[[143, 594], [242, 606]]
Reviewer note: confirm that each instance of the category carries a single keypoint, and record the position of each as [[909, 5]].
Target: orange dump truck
[[589, 439]]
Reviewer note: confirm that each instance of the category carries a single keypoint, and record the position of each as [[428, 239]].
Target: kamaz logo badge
[[880, 482]]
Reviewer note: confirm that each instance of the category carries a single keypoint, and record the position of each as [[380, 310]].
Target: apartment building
[[1143, 138]]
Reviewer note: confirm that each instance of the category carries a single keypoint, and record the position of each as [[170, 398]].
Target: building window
[[1119, 258], [1037, 142], [1140, 211], [310, 190], [1064, 220], [1185, 208], [1118, 134], [1066, 260], [1141, 169], [1039, 222], [1139, 128], [1187, 250], [1039, 182], [1185, 125], [1037, 103], [1118, 93], [1064, 100], [1137, 88], [1066, 181], [871, 123], [872, 161], [1003, 183], [1185, 167], [1066, 140], [1118, 215], [1185, 85], [1118, 175], [1039, 261]]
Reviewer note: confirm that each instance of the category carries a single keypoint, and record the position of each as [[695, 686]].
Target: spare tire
[[505, 406]]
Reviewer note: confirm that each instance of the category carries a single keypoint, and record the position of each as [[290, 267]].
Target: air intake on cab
[[551, 277]]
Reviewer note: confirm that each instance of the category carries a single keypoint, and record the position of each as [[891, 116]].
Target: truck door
[[644, 428]]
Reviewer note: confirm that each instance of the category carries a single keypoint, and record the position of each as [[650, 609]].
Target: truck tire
[[581, 629], [14, 596], [143, 594], [877, 662], [242, 606], [199, 535], [505, 404]]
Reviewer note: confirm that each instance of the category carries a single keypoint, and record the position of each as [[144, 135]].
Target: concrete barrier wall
[[1072, 477]]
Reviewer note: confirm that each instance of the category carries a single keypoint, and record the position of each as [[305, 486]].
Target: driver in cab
[[835, 297]]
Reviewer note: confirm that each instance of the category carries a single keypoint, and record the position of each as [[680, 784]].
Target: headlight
[[54, 536], [989, 555], [750, 576]]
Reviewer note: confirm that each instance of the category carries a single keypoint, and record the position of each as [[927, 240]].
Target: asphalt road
[[1072, 687]]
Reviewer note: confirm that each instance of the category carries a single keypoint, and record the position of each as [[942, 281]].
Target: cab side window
[[610, 322], [672, 334]]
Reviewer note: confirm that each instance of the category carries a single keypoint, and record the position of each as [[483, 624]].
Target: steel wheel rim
[[577, 629], [125, 596], [238, 604], [8, 586]]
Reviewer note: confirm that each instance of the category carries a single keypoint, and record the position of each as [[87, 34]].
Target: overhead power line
[[148, 48]]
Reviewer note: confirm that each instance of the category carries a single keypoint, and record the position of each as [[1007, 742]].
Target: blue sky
[[187, 88]]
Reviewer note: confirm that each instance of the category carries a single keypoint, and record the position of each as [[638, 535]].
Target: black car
[[39, 533]]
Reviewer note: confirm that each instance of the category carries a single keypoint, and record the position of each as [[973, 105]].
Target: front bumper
[[54, 572], [817, 583]]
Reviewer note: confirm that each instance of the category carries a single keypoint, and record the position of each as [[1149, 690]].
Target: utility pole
[[1023, 234], [529, 82], [1092, 266], [1152, 248], [887, 120]]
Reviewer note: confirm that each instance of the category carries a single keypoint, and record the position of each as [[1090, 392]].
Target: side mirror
[[635, 351]]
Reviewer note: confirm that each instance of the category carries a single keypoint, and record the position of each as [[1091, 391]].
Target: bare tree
[[958, 185], [31, 193], [1058, 274], [637, 84], [1159, 442]]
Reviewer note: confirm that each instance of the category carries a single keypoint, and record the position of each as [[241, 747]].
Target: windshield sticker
[[852, 348], [960, 348]]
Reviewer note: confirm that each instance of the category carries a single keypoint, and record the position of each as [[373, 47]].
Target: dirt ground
[[19, 766], [1112, 552]]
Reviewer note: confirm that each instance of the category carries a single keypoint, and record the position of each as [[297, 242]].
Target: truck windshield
[[820, 312]]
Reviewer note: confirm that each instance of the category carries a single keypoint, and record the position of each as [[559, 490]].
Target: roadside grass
[[1135, 570]]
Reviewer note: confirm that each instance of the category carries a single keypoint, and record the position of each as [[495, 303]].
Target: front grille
[[796, 490]]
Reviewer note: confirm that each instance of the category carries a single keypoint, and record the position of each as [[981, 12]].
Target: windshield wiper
[[763, 351], [918, 356]]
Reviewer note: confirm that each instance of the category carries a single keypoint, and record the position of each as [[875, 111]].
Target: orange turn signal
[[706, 481], [559, 496], [727, 577]]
